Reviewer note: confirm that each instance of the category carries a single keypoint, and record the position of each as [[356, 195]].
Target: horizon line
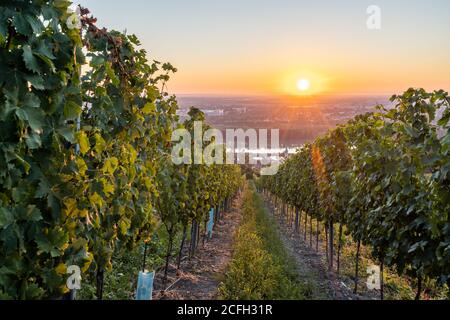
[[208, 94]]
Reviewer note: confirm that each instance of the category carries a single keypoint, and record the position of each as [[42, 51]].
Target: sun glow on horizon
[[303, 82], [303, 85]]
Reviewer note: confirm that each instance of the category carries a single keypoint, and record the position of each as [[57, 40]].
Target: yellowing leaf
[[148, 183], [100, 143], [108, 188], [133, 154], [124, 225], [83, 142], [88, 260], [83, 213], [96, 200], [61, 269], [71, 226], [64, 289], [110, 165], [82, 167], [149, 108], [71, 207]]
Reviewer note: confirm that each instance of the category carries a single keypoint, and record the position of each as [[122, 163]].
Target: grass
[[261, 268]]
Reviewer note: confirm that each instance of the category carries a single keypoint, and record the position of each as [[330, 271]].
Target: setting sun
[[303, 85]]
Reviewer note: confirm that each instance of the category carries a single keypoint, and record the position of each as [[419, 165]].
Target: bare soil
[[199, 277]]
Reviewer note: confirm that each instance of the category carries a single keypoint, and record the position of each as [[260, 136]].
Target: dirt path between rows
[[312, 266], [200, 277]]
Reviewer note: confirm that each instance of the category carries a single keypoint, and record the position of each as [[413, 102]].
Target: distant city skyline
[[269, 47]]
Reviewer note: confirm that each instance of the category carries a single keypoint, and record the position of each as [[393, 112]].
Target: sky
[[258, 47]]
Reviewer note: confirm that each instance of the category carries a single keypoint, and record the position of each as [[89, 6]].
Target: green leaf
[[42, 190], [31, 100], [49, 12], [97, 61], [33, 291], [67, 133], [33, 141], [35, 119], [36, 81], [47, 61], [22, 25], [71, 110], [6, 218], [45, 49], [411, 131], [33, 116], [46, 246], [445, 141], [34, 214], [24, 163], [111, 74], [3, 28], [35, 23], [445, 119], [30, 60]]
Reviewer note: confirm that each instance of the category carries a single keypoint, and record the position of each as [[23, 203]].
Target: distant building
[[214, 112], [240, 110]]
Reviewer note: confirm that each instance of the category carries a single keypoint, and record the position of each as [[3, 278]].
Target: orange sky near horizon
[[368, 80], [265, 47]]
